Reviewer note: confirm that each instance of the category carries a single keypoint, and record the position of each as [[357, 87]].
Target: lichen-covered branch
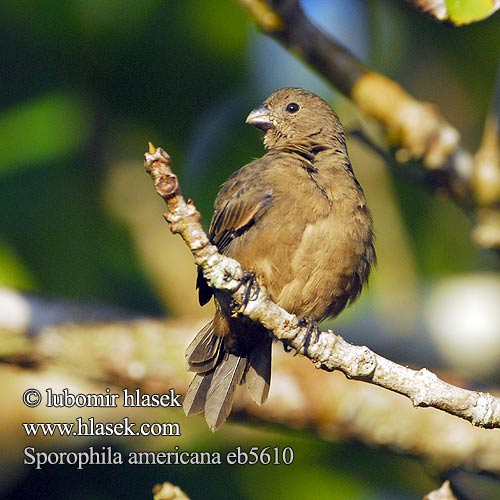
[[149, 354], [327, 351], [415, 130]]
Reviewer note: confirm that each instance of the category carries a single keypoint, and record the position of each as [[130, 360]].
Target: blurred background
[[86, 83]]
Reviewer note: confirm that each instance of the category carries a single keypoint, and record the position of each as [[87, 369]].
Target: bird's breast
[[306, 253]]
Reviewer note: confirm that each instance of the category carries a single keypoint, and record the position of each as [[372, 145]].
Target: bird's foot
[[311, 334], [252, 288]]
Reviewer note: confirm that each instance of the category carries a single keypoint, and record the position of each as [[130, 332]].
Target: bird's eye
[[292, 107]]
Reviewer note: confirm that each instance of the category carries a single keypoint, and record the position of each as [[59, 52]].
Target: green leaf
[[469, 11]]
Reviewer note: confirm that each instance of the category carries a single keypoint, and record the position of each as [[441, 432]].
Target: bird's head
[[292, 115]]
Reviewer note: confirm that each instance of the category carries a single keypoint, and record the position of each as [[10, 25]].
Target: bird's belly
[[308, 277], [322, 268]]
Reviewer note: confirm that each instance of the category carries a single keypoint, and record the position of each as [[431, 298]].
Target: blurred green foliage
[[85, 84], [84, 81]]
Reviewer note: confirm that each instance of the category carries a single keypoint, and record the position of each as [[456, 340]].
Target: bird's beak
[[261, 118]]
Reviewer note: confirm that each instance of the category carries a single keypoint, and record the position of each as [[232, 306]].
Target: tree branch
[[415, 130], [149, 354], [327, 351]]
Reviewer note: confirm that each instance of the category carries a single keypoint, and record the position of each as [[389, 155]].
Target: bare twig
[[443, 493], [328, 351], [168, 491]]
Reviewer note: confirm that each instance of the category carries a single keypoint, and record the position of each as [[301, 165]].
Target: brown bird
[[297, 219]]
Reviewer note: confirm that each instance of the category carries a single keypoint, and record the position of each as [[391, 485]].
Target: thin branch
[[168, 491], [415, 130], [328, 351]]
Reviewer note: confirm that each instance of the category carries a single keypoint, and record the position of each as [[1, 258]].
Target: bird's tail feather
[[203, 352], [218, 373], [194, 402], [258, 374], [219, 397]]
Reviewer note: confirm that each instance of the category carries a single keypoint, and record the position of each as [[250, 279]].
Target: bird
[[297, 219]]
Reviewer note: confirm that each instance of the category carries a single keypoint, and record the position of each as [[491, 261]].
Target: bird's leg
[[252, 288]]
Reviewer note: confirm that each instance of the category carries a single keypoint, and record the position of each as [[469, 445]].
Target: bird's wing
[[236, 215], [239, 212]]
